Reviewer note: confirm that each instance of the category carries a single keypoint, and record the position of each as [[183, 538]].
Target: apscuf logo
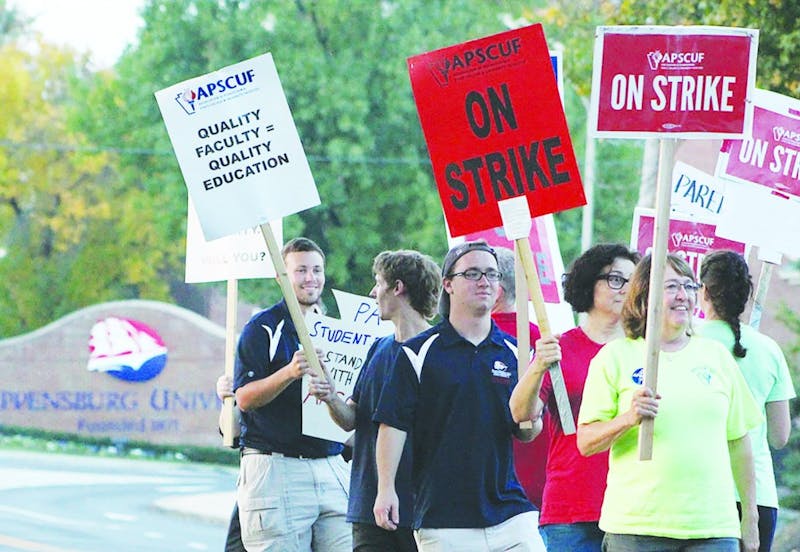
[[674, 60], [473, 60], [786, 136], [638, 376], [191, 98], [679, 239], [126, 349]]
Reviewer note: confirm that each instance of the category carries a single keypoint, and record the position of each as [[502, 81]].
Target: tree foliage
[[52, 199], [93, 204]]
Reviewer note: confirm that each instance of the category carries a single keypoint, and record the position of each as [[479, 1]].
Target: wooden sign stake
[[523, 323], [228, 418], [770, 261], [291, 300], [654, 302], [523, 247]]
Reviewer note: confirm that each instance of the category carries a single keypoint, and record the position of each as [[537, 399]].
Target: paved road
[[65, 503]]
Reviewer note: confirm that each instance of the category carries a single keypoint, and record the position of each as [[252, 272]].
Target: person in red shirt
[[529, 458], [596, 284]]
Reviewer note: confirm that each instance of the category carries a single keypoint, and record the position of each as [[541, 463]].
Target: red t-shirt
[[575, 484], [529, 458]]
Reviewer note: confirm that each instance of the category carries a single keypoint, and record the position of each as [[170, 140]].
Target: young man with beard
[[406, 289], [292, 491]]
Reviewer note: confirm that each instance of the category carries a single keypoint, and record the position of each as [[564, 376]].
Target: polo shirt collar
[[449, 336]]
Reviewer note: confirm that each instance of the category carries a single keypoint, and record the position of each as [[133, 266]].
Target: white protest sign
[[762, 177], [344, 342], [237, 147], [695, 192], [236, 257]]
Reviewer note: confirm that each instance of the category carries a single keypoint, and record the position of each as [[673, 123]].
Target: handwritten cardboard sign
[[236, 257], [695, 192], [345, 342]]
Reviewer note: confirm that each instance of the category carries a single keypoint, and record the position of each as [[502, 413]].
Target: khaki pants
[[294, 504], [518, 534]]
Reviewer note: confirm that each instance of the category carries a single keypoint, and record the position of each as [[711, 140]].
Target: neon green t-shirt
[[687, 490], [767, 375]]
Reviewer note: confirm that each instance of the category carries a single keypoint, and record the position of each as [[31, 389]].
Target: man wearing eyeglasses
[[450, 388]]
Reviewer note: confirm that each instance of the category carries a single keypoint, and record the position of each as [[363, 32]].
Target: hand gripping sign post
[[234, 257], [762, 175], [496, 131], [241, 158], [670, 82]]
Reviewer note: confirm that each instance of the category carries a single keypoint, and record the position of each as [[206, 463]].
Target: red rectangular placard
[[691, 82], [495, 128]]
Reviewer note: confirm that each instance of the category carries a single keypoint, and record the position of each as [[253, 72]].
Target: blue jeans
[[572, 537], [644, 543], [767, 521]]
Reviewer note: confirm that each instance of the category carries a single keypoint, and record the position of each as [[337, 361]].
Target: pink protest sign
[[689, 82], [690, 237], [771, 155], [762, 178], [543, 247]]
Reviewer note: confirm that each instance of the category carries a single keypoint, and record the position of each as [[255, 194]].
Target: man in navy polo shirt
[[406, 289], [450, 389], [292, 491]]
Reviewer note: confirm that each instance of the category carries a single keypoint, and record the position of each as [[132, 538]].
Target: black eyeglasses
[[473, 274], [614, 280]]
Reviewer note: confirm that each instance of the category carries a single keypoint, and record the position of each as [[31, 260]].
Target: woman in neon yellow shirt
[[683, 499]]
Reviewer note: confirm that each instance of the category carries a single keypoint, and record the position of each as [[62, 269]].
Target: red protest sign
[[495, 128], [689, 82]]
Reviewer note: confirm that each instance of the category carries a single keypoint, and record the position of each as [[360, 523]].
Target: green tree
[[53, 198], [11, 23]]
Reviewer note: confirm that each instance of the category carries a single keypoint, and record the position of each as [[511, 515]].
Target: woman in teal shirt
[[727, 286]]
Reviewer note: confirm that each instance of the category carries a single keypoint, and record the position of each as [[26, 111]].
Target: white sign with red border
[[681, 82]]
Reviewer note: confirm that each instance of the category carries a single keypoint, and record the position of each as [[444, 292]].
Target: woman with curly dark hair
[[596, 284], [727, 287]]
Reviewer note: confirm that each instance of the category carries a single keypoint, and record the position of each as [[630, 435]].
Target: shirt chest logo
[[703, 374], [501, 372]]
